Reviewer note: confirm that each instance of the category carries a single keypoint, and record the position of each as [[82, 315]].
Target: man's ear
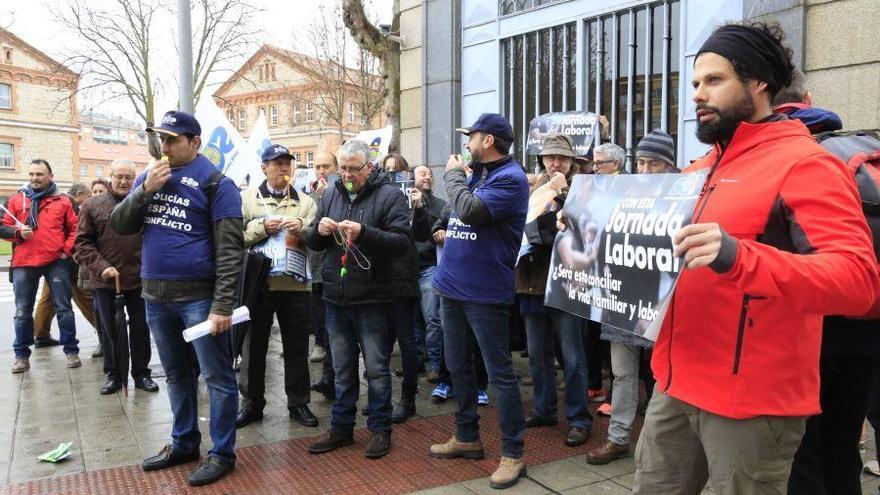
[[808, 98], [197, 141]]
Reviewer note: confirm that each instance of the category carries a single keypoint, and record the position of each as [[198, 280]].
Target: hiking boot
[[330, 440], [211, 469], [405, 409], [442, 392], [380, 444], [508, 473], [576, 437], [21, 365], [318, 354], [73, 361], [607, 452], [455, 448], [596, 395], [433, 376], [41, 342]]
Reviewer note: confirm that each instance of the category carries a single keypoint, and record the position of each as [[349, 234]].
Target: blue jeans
[[214, 354], [541, 330], [490, 327], [351, 328], [25, 281], [431, 313]]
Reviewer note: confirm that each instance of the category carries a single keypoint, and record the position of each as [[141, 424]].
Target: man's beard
[[722, 128]]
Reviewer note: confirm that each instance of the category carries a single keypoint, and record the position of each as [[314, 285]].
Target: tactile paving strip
[[287, 468]]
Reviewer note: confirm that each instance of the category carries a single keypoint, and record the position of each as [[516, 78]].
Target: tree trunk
[[388, 53]]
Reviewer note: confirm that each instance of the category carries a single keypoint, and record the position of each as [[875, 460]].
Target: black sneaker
[[41, 342], [211, 469], [330, 440], [168, 457], [380, 444], [303, 415]]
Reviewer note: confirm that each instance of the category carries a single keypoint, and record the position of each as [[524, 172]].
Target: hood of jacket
[[816, 119]]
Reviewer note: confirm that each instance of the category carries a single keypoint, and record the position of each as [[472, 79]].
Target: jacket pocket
[[744, 320]]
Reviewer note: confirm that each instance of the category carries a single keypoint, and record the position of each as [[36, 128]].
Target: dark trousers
[[828, 460], [292, 308], [400, 319], [593, 351], [479, 367], [138, 332], [317, 313]]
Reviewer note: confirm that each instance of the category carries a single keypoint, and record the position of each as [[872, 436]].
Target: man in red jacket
[[41, 224], [778, 240]]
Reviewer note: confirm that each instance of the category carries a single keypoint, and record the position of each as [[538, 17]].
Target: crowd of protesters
[[751, 386]]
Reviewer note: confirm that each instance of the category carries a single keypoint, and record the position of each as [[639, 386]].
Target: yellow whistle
[[287, 178], [164, 158]]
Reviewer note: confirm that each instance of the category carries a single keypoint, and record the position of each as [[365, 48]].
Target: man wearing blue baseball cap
[[475, 280], [274, 216], [190, 215]]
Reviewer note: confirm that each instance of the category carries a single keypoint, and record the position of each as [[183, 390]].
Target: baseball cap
[[176, 123], [274, 152], [490, 123]]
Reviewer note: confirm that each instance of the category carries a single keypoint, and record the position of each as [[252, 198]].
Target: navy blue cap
[[177, 123], [275, 151], [491, 123]]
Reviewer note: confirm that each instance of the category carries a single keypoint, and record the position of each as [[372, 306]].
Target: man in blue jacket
[[475, 280]]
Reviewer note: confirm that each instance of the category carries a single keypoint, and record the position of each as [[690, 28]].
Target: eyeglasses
[[599, 163], [123, 177], [352, 170]]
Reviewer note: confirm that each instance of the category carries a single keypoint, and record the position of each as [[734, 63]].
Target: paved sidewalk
[[112, 434]]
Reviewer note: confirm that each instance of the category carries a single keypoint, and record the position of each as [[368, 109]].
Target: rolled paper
[[239, 315]]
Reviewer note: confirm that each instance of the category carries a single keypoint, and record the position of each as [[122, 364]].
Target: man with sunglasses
[[193, 246], [363, 222]]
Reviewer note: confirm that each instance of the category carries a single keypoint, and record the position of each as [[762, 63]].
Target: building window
[[310, 159], [8, 55], [99, 171], [241, 120], [5, 96], [142, 137], [624, 76], [351, 112], [297, 159], [273, 115], [109, 135], [230, 115], [507, 7], [296, 113], [83, 171], [7, 155], [310, 111]]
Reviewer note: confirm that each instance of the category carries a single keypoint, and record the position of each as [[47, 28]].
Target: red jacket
[[745, 343], [54, 235]]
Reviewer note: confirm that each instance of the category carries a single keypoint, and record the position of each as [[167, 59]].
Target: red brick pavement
[[287, 468]]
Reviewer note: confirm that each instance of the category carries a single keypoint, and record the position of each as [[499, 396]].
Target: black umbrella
[[251, 285], [120, 352]]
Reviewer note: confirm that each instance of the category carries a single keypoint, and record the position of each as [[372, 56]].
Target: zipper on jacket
[[740, 333], [704, 200]]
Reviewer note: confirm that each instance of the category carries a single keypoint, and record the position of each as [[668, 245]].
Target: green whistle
[[342, 272]]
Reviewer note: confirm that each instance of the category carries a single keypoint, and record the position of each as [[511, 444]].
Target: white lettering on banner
[[642, 224], [456, 229]]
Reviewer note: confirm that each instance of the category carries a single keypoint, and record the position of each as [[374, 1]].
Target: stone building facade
[[105, 138], [296, 95], [38, 114]]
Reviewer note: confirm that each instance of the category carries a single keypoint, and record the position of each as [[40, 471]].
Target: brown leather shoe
[[380, 444], [330, 440], [607, 452], [508, 473], [455, 448]]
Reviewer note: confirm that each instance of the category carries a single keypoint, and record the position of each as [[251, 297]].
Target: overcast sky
[[280, 19]]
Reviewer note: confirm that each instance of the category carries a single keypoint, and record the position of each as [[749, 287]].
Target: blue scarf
[[35, 197]]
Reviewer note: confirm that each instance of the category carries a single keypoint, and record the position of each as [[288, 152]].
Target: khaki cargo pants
[[681, 447]]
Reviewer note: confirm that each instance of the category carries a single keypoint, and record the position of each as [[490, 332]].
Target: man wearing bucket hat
[[475, 280], [544, 324], [193, 247]]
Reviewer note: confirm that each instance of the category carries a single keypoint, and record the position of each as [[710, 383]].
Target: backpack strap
[[211, 186]]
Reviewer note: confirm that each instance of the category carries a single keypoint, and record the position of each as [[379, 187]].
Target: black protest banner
[[614, 263], [580, 126]]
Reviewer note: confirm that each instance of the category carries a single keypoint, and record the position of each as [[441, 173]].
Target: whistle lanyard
[[349, 247]]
